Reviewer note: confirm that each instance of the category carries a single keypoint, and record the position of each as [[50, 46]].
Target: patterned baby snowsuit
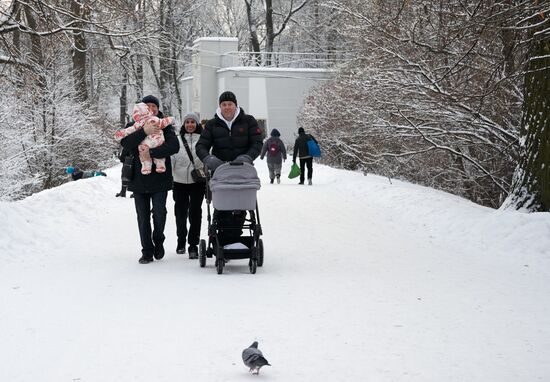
[[143, 117]]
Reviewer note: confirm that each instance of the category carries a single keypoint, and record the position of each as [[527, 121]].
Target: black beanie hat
[[301, 130], [151, 99], [228, 96]]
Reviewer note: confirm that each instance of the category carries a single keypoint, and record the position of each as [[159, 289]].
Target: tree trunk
[[531, 185], [79, 53], [269, 32], [36, 47], [254, 41], [123, 98], [165, 68], [139, 76]]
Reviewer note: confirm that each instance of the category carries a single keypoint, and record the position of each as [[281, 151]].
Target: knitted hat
[[69, 170], [151, 99], [192, 116], [275, 133], [195, 118], [301, 130], [228, 96]]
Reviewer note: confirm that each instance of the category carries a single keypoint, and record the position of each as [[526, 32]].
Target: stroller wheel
[[219, 266], [202, 253], [260, 253], [219, 260], [252, 265]]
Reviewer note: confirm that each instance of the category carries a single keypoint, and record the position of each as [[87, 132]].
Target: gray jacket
[[181, 164], [281, 150]]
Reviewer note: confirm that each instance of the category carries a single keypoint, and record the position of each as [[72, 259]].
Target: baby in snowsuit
[[143, 117]]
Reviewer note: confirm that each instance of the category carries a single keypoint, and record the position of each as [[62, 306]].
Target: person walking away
[[232, 135], [188, 194], [275, 150], [306, 160], [151, 190]]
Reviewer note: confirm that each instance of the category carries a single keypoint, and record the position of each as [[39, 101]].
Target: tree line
[[451, 94]]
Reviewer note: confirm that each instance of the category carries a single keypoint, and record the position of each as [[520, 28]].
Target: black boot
[[145, 260], [193, 252], [122, 193], [159, 251], [180, 249]]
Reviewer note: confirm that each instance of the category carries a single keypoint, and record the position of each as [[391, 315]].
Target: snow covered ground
[[364, 280]]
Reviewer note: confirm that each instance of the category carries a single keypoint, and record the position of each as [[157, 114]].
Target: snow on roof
[[270, 69], [215, 39]]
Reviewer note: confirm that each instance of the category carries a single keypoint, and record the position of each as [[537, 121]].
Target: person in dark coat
[[77, 173], [301, 150], [125, 158], [152, 189], [188, 194], [275, 150], [232, 135]]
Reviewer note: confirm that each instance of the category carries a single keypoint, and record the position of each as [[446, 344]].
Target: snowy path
[[363, 281]]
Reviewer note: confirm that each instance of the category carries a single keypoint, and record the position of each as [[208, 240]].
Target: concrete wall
[[207, 60], [273, 95]]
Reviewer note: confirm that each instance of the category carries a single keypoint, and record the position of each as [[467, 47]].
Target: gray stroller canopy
[[234, 187]]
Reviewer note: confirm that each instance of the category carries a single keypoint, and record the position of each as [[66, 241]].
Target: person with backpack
[[275, 150], [301, 150]]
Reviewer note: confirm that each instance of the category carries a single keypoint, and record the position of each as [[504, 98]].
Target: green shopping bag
[[294, 171]]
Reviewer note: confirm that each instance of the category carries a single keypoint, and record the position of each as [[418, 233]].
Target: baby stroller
[[232, 191]]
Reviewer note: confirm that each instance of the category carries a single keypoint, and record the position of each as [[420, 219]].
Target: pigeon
[[254, 359]]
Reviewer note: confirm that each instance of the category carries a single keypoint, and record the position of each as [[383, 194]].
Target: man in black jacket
[[232, 135], [302, 151], [151, 189]]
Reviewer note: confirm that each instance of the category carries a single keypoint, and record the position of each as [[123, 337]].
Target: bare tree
[[433, 95], [267, 23]]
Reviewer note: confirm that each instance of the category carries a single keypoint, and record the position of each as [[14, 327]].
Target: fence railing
[[284, 59]]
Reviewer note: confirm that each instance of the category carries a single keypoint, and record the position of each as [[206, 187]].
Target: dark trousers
[[188, 205], [229, 225], [143, 204], [303, 163]]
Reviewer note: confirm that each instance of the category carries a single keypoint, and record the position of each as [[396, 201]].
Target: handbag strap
[[188, 151]]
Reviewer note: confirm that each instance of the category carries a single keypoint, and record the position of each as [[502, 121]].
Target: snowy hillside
[[364, 280]]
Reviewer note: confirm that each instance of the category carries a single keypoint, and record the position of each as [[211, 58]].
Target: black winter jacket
[[153, 182], [300, 146], [244, 138]]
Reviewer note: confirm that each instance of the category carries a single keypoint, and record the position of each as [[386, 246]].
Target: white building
[[271, 94]]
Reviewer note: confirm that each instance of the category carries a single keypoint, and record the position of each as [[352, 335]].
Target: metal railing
[[284, 59]]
